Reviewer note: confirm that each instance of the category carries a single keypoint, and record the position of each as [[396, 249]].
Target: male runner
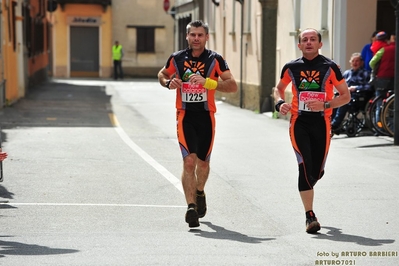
[[194, 73], [313, 78]]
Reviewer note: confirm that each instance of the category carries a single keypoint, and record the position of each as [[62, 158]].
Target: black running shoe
[[192, 216], [201, 205], [312, 225]]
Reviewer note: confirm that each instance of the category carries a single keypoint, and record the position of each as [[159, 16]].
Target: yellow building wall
[[61, 37], [9, 55]]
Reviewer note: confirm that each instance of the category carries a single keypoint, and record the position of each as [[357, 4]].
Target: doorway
[[84, 55]]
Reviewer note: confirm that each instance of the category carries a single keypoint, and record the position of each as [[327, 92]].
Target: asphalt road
[[93, 172]]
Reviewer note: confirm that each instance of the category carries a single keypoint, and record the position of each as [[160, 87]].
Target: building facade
[[24, 48], [81, 41], [74, 38], [85, 30], [258, 37], [146, 32]]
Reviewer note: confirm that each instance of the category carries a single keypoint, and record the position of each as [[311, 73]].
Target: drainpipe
[[241, 52], [395, 4], [269, 40]]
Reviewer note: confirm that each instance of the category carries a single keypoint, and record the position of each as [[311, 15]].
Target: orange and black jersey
[[319, 75], [209, 65]]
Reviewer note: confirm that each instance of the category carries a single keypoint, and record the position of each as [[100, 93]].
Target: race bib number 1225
[[193, 93]]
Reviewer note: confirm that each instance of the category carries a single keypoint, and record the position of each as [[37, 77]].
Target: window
[[145, 39]]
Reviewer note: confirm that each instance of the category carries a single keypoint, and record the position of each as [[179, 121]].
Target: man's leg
[[120, 69], [312, 225], [189, 182], [307, 199], [339, 117], [189, 179], [202, 172], [115, 69]]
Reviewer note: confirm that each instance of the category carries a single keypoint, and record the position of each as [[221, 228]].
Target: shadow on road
[[17, 248], [53, 104], [224, 234], [335, 234], [4, 193]]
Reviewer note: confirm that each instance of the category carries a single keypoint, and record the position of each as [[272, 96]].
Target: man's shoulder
[[211, 53], [179, 53], [296, 61]]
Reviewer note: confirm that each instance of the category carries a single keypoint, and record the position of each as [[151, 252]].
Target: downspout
[[269, 45]]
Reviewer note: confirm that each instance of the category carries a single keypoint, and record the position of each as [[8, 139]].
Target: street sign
[[166, 5]]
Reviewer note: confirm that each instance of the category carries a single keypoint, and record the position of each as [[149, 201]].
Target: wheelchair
[[355, 118]]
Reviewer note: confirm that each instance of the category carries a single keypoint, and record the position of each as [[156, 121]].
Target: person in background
[[383, 65], [196, 73], [357, 79], [366, 52], [3, 155], [313, 77], [117, 55], [380, 41], [392, 38]]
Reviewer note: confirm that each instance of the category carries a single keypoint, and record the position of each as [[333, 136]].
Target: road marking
[[89, 204], [146, 157]]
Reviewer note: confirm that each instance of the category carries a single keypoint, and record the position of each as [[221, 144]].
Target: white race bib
[[305, 96], [193, 93]]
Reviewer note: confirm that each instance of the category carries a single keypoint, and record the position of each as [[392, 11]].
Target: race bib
[[305, 96], [193, 93]]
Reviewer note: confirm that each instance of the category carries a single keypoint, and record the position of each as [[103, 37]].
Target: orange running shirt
[[311, 78], [209, 65]]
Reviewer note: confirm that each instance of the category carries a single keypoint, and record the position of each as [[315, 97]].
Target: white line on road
[[89, 204], [151, 161]]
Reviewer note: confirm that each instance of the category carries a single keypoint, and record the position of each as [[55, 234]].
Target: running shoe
[[192, 216], [312, 225], [201, 205]]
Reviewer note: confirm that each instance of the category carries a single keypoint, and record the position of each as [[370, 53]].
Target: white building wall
[[346, 26]]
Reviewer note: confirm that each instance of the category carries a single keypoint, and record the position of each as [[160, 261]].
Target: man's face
[[197, 38], [309, 44], [356, 62]]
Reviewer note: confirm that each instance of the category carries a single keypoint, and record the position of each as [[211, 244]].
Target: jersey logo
[[309, 80], [191, 67]]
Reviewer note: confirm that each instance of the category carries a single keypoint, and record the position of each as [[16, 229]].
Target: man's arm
[[279, 93], [228, 83], [279, 97], [376, 58], [163, 76], [343, 98]]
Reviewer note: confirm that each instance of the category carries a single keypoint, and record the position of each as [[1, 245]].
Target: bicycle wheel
[[373, 117], [387, 115], [367, 115]]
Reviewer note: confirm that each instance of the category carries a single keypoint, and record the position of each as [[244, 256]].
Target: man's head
[[373, 38], [392, 38], [381, 36], [197, 24], [310, 43], [356, 61], [197, 35], [306, 30]]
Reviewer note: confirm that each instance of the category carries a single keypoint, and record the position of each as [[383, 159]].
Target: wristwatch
[[327, 105], [167, 83], [279, 103]]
